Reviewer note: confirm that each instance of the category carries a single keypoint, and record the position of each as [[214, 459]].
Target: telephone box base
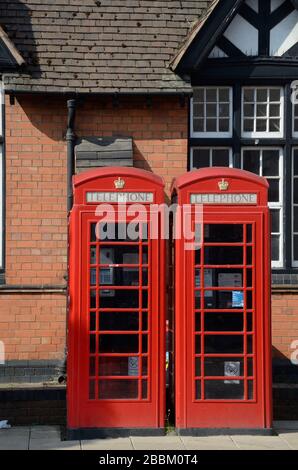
[[113, 433], [196, 432]]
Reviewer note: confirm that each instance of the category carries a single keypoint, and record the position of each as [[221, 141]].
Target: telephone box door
[[116, 328]]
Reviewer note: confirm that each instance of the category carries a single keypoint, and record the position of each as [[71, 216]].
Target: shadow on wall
[[16, 20]]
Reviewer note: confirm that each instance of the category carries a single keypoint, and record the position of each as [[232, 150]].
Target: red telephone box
[[116, 329], [222, 311]]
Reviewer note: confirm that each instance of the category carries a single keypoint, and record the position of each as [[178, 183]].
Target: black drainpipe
[[71, 140]]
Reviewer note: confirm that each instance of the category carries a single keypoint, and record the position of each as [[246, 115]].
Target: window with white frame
[[268, 162], [212, 110], [295, 120], [295, 208], [202, 157], [262, 112]]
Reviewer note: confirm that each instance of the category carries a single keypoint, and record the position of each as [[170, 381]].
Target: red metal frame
[[86, 410], [252, 411]]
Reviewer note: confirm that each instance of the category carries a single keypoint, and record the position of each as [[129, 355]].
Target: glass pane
[[262, 95], [227, 344], [249, 278], [270, 162], [249, 322], [249, 299], [275, 220], [249, 234], [120, 276], [211, 110], [249, 94], [198, 344], [119, 254], [250, 389], [144, 389], [248, 125], [125, 366], [261, 125], [250, 370], [224, 95], [249, 110], [198, 94], [92, 344], [296, 247], [274, 125], [274, 190], [198, 390], [201, 158], [249, 255], [295, 219], [120, 232], [144, 343], [275, 242], [261, 110], [198, 322], [93, 259], [224, 389], [198, 110], [274, 110], [249, 344], [218, 255], [274, 94], [117, 389], [251, 161], [121, 298], [211, 125], [92, 366], [220, 157], [144, 365], [223, 233], [92, 299], [198, 366], [224, 125], [223, 367], [119, 321], [295, 155], [92, 321], [224, 110], [223, 321], [119, 343], [93, 276], [296, 191], [211, 95], [144, 321], [198, 125]]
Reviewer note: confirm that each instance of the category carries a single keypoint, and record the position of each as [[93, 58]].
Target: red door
[[225, 323], [120, 341]]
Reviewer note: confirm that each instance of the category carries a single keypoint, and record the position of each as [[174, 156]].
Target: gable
[[242, 30], [261, 28]]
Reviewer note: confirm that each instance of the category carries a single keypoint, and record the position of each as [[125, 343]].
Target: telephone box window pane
[[120, 232], [117, 389], [249, 255], [223, 321], [224, 344], [249, 344], [223, 233], [144, 298], [249, 278], [198, 390], [121, 298], [144, 343], [92, 344], [144, 365], [118, 366], [250, 387], [198, 367], [118, 254], [249, 324], [92, 321], [92, 389], [249, 301], [93, 276], [144, 389], [198, 344], [92, 299], [275, 245], [224, 390], [118, 343], [93, 233], [230, 255], [250, 367], [93, 255], [249, 234], [120, 276], [198, 322], [217, 366], [144, 321], [92, 366], [198, 256], [119, 321]]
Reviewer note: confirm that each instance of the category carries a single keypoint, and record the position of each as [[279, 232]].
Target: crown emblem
[[119, 183], [223, 185]]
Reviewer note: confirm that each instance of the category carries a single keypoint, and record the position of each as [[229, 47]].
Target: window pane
[[296, 219], [262, 110], [223, 344], [211, 125], [117, 389], [273, 190], [262, 95], [296, 191], [201, 158], [211, 95], [295, 156], [275, 220], [275, 242], [270, 162], [220, 157], [119, 343], [198, 125], [220, 389], [251, 161], [211, 110], [296, 247]]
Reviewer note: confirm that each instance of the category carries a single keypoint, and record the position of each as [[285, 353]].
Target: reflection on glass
[[118, 389], [220, 390], [109, 366], [119, 343], [119, 321]]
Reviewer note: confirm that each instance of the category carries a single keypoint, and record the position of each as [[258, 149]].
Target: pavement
[[49, 438]]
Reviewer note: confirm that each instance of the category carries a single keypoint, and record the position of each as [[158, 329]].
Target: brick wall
[[32, 325]]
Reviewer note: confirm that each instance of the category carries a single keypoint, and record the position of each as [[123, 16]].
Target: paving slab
[[15, 438], [157, 443], [260, 443], [44, 444], [36, 432], [208, 443], [290, 437], [121, 443]]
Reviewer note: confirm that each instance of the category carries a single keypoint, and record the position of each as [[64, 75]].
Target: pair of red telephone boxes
[[119, 290]]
